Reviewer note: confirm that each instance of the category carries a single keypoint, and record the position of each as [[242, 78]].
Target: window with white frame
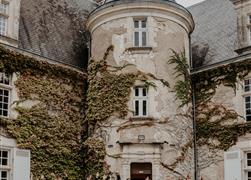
[[4, 6], [5, 88], [140, 32], [248, 165], [247, 97], [4, 164], [140, 101]]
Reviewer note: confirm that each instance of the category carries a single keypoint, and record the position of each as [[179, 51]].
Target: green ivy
[[52, 127], [211, 118]]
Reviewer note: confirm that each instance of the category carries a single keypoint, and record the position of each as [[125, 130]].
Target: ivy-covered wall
[[50, 121]]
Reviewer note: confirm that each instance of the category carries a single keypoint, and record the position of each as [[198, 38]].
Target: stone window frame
[[5, 85], [249, 28], [4, 15], [246, 167], [140, 99], [6, 168], [140, 30]]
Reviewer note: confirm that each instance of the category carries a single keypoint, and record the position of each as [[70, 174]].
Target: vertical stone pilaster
[[125, 173]]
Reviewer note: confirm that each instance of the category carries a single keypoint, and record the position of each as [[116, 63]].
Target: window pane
[[136, 110], [136, 38], [248, 118], [144, 108], [247, 88], [136, 91], [4, 162], [6, 93], [136, 24], [5, 154], [249, 159], [3, 158], [249, 19], [143, 38], [247, 105], [5, 113], [4, 102], [3, 22], [4, 175], [4, 78], [247, 99], [249, 175], [144, 24], [247, 85], [249, 162], [144, 91]]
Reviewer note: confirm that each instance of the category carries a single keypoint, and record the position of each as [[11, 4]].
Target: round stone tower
[[154, 138]]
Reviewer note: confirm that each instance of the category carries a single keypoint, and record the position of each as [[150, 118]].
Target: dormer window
[[140, 32], [4, 6]]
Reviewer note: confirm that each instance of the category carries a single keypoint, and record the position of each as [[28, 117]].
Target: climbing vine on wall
[[15, 62], [218, 126], [50, 115], [182, 87]]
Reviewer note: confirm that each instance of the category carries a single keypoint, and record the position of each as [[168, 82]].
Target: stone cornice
[[167, 10]]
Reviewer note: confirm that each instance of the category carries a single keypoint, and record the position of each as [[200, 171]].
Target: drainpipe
[[193, 89], [194, 133]]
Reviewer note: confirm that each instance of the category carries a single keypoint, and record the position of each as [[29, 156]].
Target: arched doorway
[[140, 171]]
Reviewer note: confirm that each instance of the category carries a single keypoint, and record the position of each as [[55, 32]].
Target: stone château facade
[[165, 96]]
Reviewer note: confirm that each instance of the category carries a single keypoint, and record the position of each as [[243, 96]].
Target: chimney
[[243, 11]]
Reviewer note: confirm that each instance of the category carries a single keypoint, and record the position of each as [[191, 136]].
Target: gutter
[[236, 59], [195, 153]]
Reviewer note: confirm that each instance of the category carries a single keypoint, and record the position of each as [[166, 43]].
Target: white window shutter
[[232, 165], [21, 164]]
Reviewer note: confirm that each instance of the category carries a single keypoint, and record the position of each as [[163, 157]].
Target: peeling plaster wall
[[166, 122]]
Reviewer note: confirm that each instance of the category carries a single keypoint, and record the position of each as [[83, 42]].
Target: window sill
[[246, 94], [141, 119], [140, 50]]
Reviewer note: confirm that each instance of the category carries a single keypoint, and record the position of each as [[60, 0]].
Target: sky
[[187, 3]]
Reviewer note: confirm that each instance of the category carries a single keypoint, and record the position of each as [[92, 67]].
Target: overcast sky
[[187, 3]]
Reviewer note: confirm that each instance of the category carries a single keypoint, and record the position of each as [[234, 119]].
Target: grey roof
[[215, 35], [54, 29]]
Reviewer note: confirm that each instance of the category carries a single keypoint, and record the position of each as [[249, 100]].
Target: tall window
[[4, 6], [140, 102], [4, 164], [248, 165], [140, 32], [249, 28], [5, 87], [247, 90]]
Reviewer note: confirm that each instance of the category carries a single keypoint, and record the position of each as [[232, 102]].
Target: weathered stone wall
[[221, 119], [168, 127], [46, 115]]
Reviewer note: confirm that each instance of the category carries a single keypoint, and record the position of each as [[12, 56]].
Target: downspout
[[193, 89], [194, 131]]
